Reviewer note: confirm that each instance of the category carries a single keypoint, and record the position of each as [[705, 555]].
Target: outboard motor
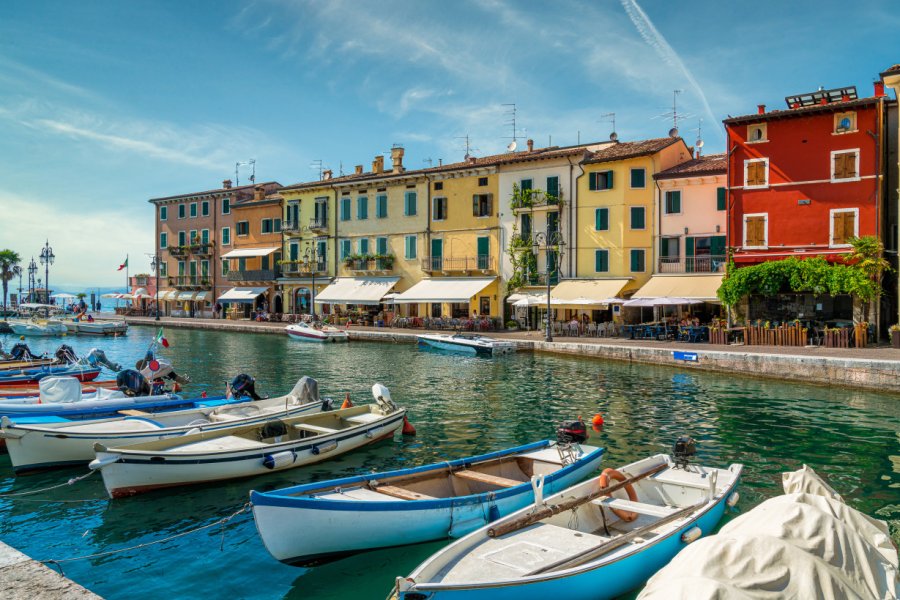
[[21, 351], [684, 450], [132, 383], [65, 354], [572, 432], [97, 357], [327, 404], [244, 385]]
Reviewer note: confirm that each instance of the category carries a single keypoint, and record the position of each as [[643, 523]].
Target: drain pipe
[[728, 202]]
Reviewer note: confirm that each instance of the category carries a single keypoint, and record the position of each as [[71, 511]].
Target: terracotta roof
[[802, 110], [893, 69], [239, 188], [623, 150], [714, 164]]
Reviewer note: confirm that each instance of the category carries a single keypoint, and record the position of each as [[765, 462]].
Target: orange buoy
[[597, 421], [347, 403], [603, 481], [408, 428]]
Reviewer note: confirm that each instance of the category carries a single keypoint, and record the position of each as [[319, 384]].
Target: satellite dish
[[512, 147], [673, 132], [613, 136], [699, 143]]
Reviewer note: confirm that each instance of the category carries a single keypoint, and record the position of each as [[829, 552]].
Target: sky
[[105, 104]]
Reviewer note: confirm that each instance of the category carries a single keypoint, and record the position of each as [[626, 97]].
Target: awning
[[141, 291], [445, 289], [185, 296], [690, 287], [356, 290], [242, 295], [164, 295], [249, 252], [202, 296], [531, 297], [584, 293]]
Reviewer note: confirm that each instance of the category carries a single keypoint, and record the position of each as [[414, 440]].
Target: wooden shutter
[[756, 231], [843, 227], [849, 226], [475, 205], [756, 173], [490, 205], [845, 165]]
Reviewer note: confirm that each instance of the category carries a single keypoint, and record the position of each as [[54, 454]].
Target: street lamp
[[154, 266], [311, 258], [47, 258], [548, 239], [32, 269]]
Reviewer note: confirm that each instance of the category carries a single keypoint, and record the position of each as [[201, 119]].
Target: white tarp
[[242, 295], [804, 544], [445, 289], [357, 290], [249, 252]]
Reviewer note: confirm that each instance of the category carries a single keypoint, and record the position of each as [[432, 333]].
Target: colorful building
[[891, 79]]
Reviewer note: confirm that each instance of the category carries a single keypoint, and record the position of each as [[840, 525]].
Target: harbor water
[[460, 406]]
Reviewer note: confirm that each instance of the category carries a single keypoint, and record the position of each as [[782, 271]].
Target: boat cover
[[68, 389], [306, 390], [804, 544]]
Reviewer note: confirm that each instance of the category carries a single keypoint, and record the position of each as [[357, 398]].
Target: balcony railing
[[541, 278], [179, 250], [463, 263], [202, 249], [190, 282], [373, 264], [254, 275], [140, 280], [291, 268], [533, 199], [320, 223], [692, 264], [291, 226]]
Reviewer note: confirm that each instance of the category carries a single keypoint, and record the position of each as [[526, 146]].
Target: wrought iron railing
[[692, 264], [303, 267], [253, 275], [374, 264], [462, 263], [190, 281], [318, 223]]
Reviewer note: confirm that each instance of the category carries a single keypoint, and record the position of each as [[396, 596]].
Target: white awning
[[249, 252], [141, 291], [185, 296], [445, 289], [64, 296], [202, 297], [242, 295], [356, 290], [581, 291], [530, 296], [690, 287], [164, 295]]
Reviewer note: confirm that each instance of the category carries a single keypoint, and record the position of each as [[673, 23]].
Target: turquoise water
[[460, 406]]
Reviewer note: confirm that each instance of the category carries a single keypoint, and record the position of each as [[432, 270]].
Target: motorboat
[[246, 450], [82, 326], [38, 327], [596, 540], [316, 333], [465, 343], [64, 442], [30, 376], [317, 522], [32, 390]]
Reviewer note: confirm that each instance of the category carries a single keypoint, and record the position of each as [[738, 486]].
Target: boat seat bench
[[402, 493], [314, 428], [642, 508], [131, 412], [363, 418], [485, 478]]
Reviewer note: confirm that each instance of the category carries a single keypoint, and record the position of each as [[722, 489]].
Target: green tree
[[868, 256], [9, 269]]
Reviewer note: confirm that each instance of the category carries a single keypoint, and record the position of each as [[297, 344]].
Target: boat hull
[[449, 343], [308, 334], [303, 530], [31, 376], [38, 330], [95, 409]]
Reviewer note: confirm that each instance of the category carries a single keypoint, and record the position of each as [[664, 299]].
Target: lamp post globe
[[47, 257]]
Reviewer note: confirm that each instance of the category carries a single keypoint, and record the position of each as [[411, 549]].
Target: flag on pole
[[123, 265], [160, 339]]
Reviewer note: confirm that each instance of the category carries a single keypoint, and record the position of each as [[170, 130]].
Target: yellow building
[[616, 214]]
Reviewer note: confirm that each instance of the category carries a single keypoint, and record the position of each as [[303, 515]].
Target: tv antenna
[[317, 165], [699, 143], [610, 118], [428, 161], [674, 131], [237, 166], [511, 116], [469, 148]]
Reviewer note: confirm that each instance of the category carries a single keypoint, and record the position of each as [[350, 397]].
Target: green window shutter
[[717, 245], [720, 198], [437, 248], [484, 246], [601, 261], [475, 205], [364, 245], [592, 181], [381, 245], [345, 209], [381, 208], [609, 180], [553, 186], [322, 250], [638, 178], [637, 217], [689, 246], [637, 261], [410, 204], [526, 184], [294, 251]]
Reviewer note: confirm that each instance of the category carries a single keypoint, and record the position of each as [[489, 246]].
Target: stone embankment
[[23, 578]]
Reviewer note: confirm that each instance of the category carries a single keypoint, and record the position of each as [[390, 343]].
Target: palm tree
[[9, 269]]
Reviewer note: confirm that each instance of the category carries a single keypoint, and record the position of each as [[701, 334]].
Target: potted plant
[[512, 325], [895, 335]]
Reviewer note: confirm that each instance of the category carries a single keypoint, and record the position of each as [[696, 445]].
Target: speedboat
[[589, 542], [316, 333], [38, 327], [84, 327], [465, 343], [317, 522]]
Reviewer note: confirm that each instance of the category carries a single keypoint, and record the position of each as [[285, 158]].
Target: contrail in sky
[[656, 41]]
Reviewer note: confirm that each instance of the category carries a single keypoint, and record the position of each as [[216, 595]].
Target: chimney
[[259, 192], [326, 174], [378, 164], [227, 183], [397, 159], [760, 109], [471, 160], [697, 153], [358, 170], [879, 89], [530, 144]]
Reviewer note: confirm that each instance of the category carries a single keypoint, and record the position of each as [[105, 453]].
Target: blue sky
[[104, 104]]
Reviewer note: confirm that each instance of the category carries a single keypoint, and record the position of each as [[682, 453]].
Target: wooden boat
[[29, 389], [573, 545], [38, 446], [465, 343], [246, 450], [316, 522], [316, 333]]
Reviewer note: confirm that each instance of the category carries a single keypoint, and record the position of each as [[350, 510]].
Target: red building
[[803, 180]]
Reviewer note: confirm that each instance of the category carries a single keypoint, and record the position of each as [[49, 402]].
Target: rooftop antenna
[[699, 143], [317, 165], [428, 161], [610, 118], [238, 165], [469, 148], [511, 115], [341, 168], [674, 131]]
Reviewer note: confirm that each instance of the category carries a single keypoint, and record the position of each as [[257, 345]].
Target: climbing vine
[[522, 259]]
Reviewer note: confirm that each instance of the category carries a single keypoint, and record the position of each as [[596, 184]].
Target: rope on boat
[[71, 481], [58, 562]]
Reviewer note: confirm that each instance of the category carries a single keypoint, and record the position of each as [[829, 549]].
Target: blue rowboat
[[318, 522], [36, 374], [585, 543]]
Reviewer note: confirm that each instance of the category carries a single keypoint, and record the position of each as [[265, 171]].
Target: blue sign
[[685, 356]]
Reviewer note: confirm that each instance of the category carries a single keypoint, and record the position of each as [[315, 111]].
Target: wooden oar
[[592, 553], [549, 510]]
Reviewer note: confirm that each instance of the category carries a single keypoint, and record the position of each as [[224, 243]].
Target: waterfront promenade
[[874, 368], [24, 578]]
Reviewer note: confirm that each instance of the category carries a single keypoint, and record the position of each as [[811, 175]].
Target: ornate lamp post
[[154, 266], [548, 239], [47, 258], [311, 258], [32, 270]]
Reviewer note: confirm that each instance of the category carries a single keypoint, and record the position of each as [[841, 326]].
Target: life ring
[[603, 481]]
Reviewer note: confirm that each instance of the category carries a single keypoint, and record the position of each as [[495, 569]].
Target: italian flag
[[160, 339], [123, 265]]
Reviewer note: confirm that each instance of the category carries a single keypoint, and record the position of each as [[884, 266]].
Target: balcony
[[692, 264], [301, 268], [140, 280], [254, 275], [205, 249], [291, 226], [463, 264], [190, 282], [541, 278], [534, 199], [318, 224], [368, 265], [179, 250]]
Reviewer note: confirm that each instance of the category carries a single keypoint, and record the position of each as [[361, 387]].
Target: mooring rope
[[71, 481], [222, 522]]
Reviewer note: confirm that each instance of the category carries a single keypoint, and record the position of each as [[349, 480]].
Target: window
[[381, 246], [163, 240], [673, 202], [845, 122], [669, 247], [224, 267], [294, 251], [438, 185], [482, 181], [601, 219], [756, 133], [526, 226], [410, 243], [345, 249], [482, 205], [204, 208], [381, 211], [322, 250], [266, 225], [204, 236], [204, 268], [637, 217], [345, 209], [362, 208], [756, 172], [226, 206], [526, 184], [756, 231], [845, 165], [226, 236], [276, 225], [600, 181], [193, 209], [720, 198], [163, 213], [553, 187], [181, 267], [242, 228], [193, 236], [601, 261], [182, 238], [439, 208], [638, 178], [163, 269], [409, 204], [181, 211], [844, 226], [637, 261], [363, 246]]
